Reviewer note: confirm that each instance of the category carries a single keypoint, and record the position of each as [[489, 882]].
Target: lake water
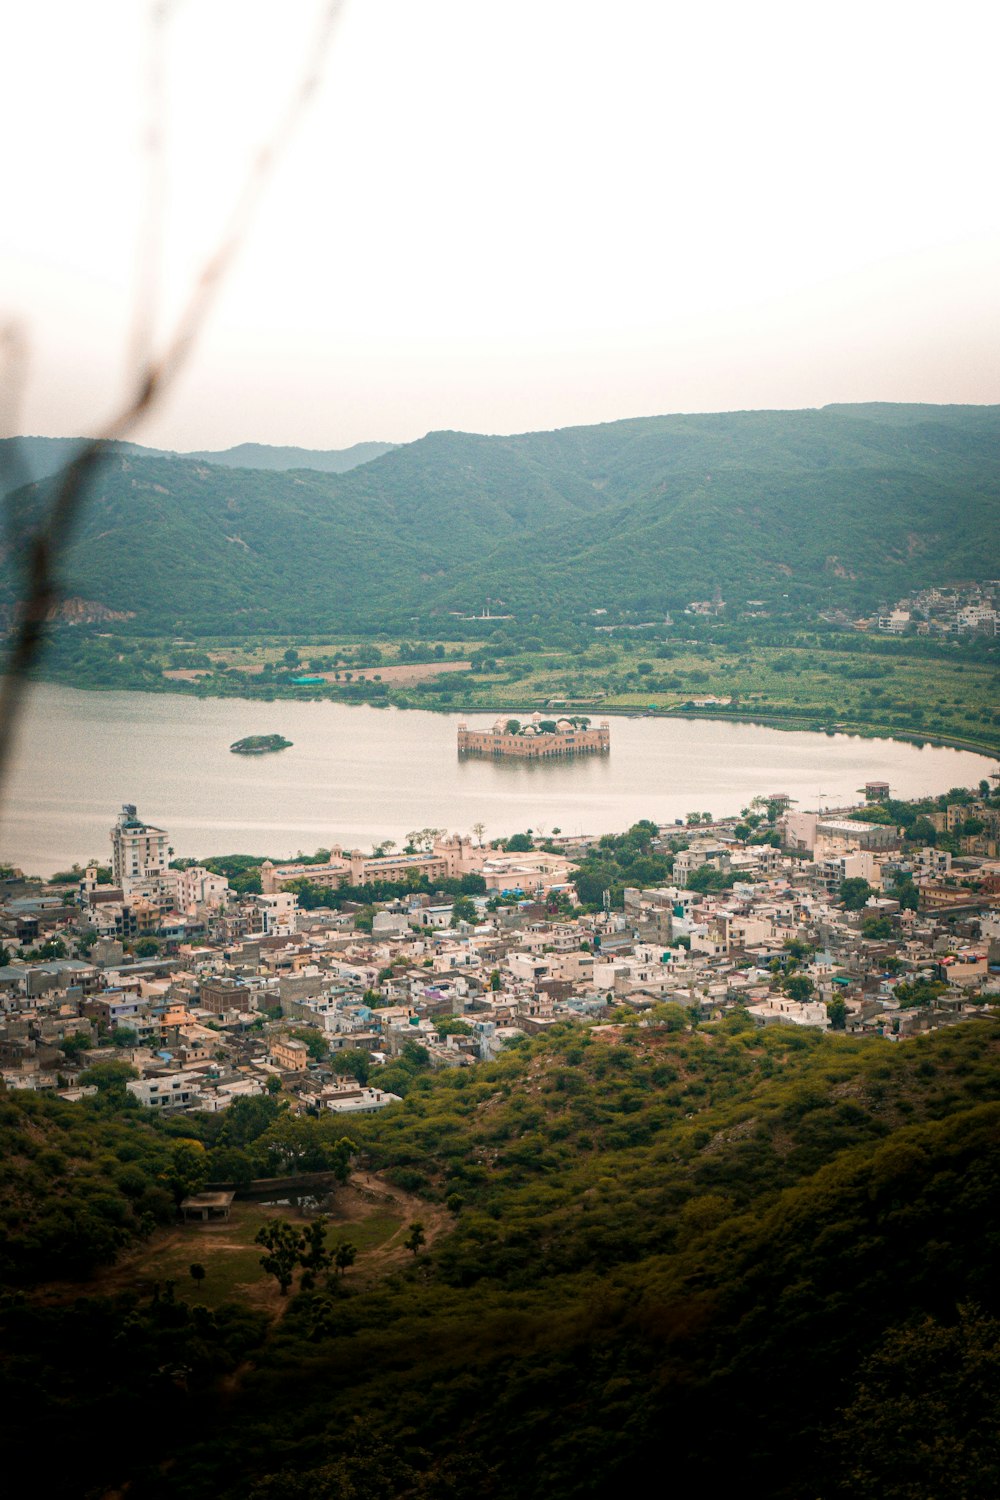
[[357, 775]]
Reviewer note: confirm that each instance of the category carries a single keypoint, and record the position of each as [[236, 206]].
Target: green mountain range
[[848, 506]]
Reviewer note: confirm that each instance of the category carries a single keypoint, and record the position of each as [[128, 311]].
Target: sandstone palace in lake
[[538, 739]]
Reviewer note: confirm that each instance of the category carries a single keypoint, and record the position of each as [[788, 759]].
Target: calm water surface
[[356, 775]]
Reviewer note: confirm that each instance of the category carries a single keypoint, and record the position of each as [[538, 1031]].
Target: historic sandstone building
[[448, 859], [534, 871], [533, 742]]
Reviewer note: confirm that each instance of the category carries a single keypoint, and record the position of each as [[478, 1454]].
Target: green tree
[[197, 1273], [52, 948], [738, 1019], [837, 1012], [283, 1247], [75, 1044], [669, 1015], [854, 892], [922, 831], [452, 1026], [416, 1237], [463, 910], [344, 1256], [594, 879], [906, 892], [799, 987], [920, 992], [314, 1257], [109, 1079], [520, 843], [354, 1062], [230, 1164], [315, 1042], [146, 947], [188, 1168], [706, 878], [248, 1118], [302, 1143]]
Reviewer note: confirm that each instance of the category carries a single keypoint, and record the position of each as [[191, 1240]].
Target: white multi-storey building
[[273, 916], [139, 851], [197, 887]]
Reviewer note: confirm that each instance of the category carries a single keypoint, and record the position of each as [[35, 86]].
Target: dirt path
[[368, 1188]]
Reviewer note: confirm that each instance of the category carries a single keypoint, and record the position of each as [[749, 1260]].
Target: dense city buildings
[[837, 919]]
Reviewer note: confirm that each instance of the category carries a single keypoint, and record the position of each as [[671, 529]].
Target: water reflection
[[357, 775]]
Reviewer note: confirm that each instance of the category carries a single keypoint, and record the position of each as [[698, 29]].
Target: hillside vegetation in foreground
[[672, 1253]]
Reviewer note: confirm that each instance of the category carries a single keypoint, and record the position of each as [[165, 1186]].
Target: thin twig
[[13, 378], [147, 298], [50, 539]]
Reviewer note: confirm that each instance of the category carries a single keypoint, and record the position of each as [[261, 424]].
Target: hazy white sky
[[509, 216]]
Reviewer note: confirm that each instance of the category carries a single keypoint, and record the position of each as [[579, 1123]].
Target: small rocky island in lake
[[260, 744]]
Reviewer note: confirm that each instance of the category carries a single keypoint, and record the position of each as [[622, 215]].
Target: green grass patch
[[231, 1258]]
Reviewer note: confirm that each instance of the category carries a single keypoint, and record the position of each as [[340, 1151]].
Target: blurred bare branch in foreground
[[42, 542]]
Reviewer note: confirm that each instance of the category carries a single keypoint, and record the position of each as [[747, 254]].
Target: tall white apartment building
[[139, 851]]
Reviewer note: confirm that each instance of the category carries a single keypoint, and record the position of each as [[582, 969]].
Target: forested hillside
[[671, 1252], [847, 506]]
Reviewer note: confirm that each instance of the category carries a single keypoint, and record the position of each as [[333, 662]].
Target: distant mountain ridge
[[39, 458], [264, 456], [846, 506]]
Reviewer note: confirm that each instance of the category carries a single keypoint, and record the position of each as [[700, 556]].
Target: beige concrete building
[[534, 873], [290, 1054], [199, 888], [447, 859]]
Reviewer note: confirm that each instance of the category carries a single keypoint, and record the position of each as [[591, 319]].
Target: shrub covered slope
[[669, 1249]]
